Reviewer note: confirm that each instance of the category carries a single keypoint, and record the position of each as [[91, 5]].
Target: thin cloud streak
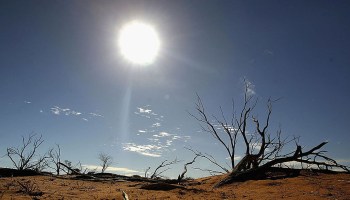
[[160, 141], [146, 150], [110, 169], [145, 111], [95, 114], [56, 110], [164, 134], [64, 111]]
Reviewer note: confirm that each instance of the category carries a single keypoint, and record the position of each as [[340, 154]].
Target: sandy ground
[[313, 186]]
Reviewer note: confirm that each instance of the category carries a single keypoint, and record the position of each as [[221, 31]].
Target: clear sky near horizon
[[62, 76]]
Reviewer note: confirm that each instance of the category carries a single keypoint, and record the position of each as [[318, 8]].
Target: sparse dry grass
[[322, 186]]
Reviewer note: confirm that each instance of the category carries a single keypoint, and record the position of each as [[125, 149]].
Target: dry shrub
[[29, 187]]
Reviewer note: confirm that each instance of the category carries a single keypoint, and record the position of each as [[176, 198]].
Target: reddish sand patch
[[316, 186]]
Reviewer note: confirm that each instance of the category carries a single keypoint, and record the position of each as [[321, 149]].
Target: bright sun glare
[[139, 43]]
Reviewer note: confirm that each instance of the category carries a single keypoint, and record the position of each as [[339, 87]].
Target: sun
[[139, 43]]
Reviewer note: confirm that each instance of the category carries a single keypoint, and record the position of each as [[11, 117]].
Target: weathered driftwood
[[125, 196]]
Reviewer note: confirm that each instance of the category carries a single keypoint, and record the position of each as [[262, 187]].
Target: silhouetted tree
[[182, 175], [55, 159], [69, 169], [157, 172], [146, 172], [106, 161], [24, 156], [263, 150]]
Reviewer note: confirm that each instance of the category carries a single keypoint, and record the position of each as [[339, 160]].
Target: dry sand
[[312, 186]]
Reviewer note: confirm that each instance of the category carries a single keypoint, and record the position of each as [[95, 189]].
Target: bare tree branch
[[210, 159], [182, 175], [165, 163], [106, 161], [262, 150], [22, 157], [55, 158]]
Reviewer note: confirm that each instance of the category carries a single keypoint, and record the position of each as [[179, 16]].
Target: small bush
[[29, 188]]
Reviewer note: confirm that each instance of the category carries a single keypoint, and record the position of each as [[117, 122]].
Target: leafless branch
[[165, 163], [210, 158], [182, 175], [106, 161], [22, 157], [262, 149], [55, 158]]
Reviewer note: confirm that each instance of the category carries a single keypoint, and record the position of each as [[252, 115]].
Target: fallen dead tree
[[259, 172], [76, 174], [70, 169], [263, 150], [7, 172]]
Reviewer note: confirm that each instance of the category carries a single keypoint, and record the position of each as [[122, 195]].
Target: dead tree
[[41, 163], [211, 159], [146, 172], [70, 169], [157, 173], [55, 159], [24, 156], [67, 166], [106, 161], [263, 150], [182, 175]]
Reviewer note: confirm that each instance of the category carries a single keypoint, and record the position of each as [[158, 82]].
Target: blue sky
[[62, 76]]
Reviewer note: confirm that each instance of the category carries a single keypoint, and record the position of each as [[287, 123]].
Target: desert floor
[[311, 186]]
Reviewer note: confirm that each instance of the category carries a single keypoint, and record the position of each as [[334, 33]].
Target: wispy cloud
[[159, 139], [157, 124], [268, 52], [171, 137], [111, 169], [95, 114], [165, 140], [153, 139], [256, 145], [251, 87], [168, 143], [161, 118], [56, 110], [223, 127], [164, 134], [64, 111], [236, 158], [146, 131], [145, 111], [146, 150], [183, 138]]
